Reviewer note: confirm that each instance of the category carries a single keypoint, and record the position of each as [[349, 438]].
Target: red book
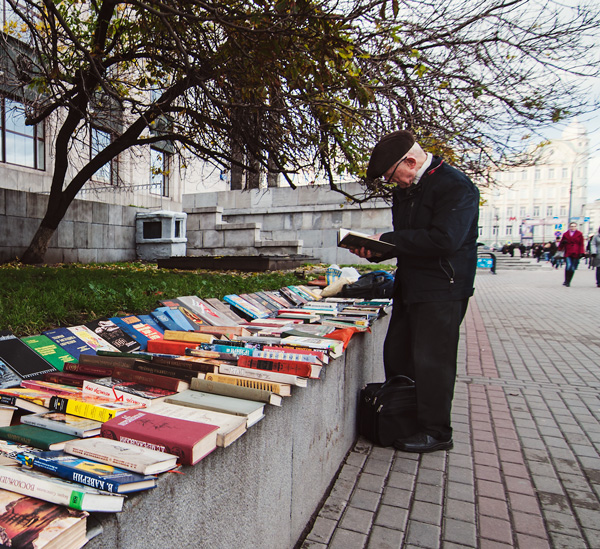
[[151, 379], [88, 369], [67, 378], [167, 347], [190, 441], [294, 367]]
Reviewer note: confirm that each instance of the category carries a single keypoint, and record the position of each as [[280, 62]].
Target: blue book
[[230, 349], [178, 317], [71, 343], [165, 321], [128, 328], [151, 321], [88, 472]]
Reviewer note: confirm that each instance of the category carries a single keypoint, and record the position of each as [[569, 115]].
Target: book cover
[[6, 414], [253, 411], [190, 316], [207, 313], [95, 409], [151, 321], [49, 350], [247, 309], [294, 367], [332, 346], [165, 321], [295, 299], [51, 388], [289, 354], [261, 305], [178, 316], [130, 457], [282, 389], [127, 392], [235, 350], [150, 379], [217, 355], [45, 487], [279, 298], [235, 391], [21, 358], [109, 331], [102, 365], [354, 239], [139, 331], [27, 522], [69, 342], [230, 427], [8, 378], [38, 437], [190, 441], [263, 375], [90, 473], [64, 423], [183, 374], [93, 340], [223, 309]]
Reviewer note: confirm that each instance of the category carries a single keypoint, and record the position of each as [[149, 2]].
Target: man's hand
[[365, 253]]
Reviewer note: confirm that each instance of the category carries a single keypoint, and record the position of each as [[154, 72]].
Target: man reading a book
[[435, 210]]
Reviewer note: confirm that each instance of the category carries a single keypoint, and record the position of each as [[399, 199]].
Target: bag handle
[[396, 380]]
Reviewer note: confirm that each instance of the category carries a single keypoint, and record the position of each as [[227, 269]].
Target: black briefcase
[[388, 411]]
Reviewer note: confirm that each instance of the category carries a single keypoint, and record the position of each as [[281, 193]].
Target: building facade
[[535, 204]]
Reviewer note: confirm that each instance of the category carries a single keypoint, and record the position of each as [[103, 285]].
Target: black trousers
[[422, 343]]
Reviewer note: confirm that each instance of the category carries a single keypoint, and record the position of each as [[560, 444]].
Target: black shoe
[[422, 443]]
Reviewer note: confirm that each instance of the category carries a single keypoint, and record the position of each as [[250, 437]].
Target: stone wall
[[261, 491], [90, 232]]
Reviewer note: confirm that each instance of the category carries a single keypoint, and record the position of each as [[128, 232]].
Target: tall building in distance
[[536, 203]]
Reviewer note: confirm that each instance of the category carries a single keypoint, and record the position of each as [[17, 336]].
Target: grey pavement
[[525, 468]]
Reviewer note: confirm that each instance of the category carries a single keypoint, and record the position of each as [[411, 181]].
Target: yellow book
[[97, 410], [282, 389], [191, 337]]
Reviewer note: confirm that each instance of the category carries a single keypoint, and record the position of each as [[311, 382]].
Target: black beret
[[390, 148]]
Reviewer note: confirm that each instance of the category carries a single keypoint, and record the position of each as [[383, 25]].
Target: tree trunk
[[38, 246]]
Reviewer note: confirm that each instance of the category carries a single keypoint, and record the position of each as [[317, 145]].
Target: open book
[[353, 239]]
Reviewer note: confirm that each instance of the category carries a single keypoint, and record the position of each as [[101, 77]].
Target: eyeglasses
[[387, 179]]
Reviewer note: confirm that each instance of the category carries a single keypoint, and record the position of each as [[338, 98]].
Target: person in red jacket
[[572, 244]]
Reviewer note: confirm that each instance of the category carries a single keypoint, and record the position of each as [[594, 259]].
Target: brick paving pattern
[[525, 468]]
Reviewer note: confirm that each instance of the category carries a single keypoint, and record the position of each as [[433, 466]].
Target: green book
[[44, 439], [49, 350]]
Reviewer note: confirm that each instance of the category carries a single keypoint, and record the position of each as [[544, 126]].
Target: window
[[509, 230], [480, 231], [523, 212], [523, 175], [563, 211], [509, 212], [550, 173], [536, 211], [549, 211], [99, 140], [538, 174], [159, 172], [565, 173], [21, 145], [495, 230]]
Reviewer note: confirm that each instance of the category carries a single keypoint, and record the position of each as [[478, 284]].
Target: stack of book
[[91, 413]]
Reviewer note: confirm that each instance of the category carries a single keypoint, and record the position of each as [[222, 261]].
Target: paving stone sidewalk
[[525, 468]]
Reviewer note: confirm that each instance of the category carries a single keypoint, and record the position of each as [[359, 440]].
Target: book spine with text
[[263, 375], [80, 408], [153, 380], [227, 389], [294, 367], [271, 386]]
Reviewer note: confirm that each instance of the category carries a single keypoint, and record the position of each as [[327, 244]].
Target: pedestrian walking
[[572, 244], [595, 255]]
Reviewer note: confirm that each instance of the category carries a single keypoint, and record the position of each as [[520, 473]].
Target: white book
[[55, 490], [335, 347], [92, 339], [64, 423], [207, 313], [121, 454], [250, 409], [230, 427], [263, 375]]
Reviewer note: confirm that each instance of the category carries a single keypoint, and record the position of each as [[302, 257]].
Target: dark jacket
[[435, 234]]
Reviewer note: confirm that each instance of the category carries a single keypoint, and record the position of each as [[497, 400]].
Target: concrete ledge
[[263, 489]]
